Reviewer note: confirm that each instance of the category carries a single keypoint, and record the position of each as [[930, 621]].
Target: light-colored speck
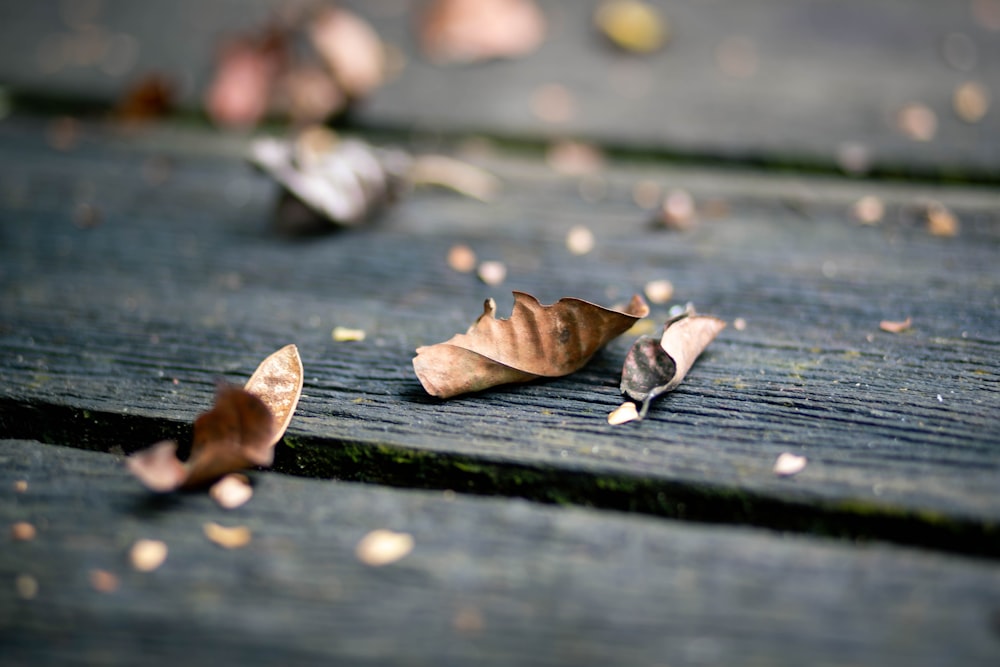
[[659, 291], [147, 555], [232, 491], [917, 121], [941, 221], [869, 210], [230, 538], [971, 101], [625, 412], [26, 586], [492, 272], [22, 531], [739, 324], [103, 581], [789, 464], [21, 486], [382, 547], [345, 334], [580, 240], [461, 258]]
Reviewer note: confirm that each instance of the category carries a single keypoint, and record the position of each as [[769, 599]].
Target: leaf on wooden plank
[[240, 430], [465, 31], [339, 179], [536, 341], [654, 367]]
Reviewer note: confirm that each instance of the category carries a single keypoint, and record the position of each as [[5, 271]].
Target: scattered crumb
[[647, 194], [625, 412], [789, 464], [677, 210], [461, 258], [468, 620], [232, 490], [894, 326], [22, 531], [553, 103], [21, 486], [230, 538], [971, 101], [659, 291], [26, 586], [941, 221], [739, 324], [632, 25], [869, 210], [574, 158], [580, 240], [854, 158], [917, 121], [103, 581], [382, 547], [344, 334], [147, 555], [492, 272]]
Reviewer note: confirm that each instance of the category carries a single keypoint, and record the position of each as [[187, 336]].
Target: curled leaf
[[341, 179], [654, 367], [239, 431], [536, 341]]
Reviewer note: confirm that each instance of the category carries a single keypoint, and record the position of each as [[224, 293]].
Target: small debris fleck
[[624, 413], [574, 158], [632, 25], [232, 491], [148, 555], [789, 464], [869, 210], [893, 326], [103, 581], [462, 258], [941, 221], [917, 121], [21, 486], [230, 538], [492, 272], [647, 194], [580, 240], [382, 547], [740, 324], [26, 586], [22, 531], [659, 291], [971, 101], [345, 334], [553, 103], [677, 210], [940, 400]]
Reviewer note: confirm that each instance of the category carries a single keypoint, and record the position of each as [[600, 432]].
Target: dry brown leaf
[[351, 49], [471, 30], [240, 431], [536, 341], [230, 538], [340, 179], [654, 367], [246, 71]]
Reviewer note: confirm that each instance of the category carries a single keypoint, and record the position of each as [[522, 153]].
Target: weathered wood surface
[[490, 581], [828, 74], [113, 336]]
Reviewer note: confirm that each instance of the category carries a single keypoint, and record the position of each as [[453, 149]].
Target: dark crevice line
[[389, 465]]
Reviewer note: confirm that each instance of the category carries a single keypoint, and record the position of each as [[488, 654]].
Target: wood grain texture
[[828, 75], [108, 329], [489, 581]]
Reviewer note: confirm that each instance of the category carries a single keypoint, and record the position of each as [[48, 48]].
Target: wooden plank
[[489, 581], [113, 334], [829, 75]]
